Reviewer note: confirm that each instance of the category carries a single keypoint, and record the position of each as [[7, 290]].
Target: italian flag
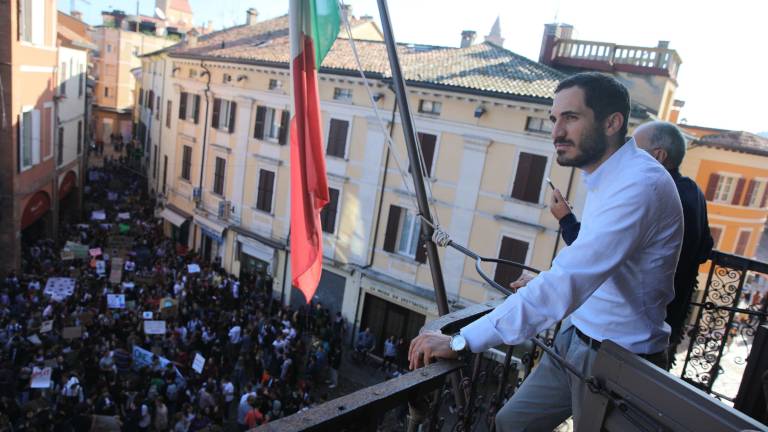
[[314, 25]]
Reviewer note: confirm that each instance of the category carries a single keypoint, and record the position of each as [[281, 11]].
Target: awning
[[172, 217], [211, 228]]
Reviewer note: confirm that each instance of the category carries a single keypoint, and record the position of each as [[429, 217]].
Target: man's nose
[[558, 131]]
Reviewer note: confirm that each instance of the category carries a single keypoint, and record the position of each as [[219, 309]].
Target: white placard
[[46, 326], [193, 268], [101, 267], [94, 252], [116, 301], [147, 315], [41, 378], [123, 216], [154, 327], [59, 288], [98, 215], [35, 339], [199, 363], [112, 196]]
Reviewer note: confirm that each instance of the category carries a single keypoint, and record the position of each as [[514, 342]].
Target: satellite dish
[[160, 14]]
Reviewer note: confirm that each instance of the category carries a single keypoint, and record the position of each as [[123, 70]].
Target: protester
[[101, 360]]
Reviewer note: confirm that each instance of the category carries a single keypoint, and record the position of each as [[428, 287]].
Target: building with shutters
[[731, 168], [28, 79], [482, 120]]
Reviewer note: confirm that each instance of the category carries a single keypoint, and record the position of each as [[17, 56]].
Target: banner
[[41, 378], [199, 363], [154, 327], [59, 288], [116, 301], [143, 358]]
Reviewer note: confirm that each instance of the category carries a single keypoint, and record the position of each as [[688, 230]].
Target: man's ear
[[661, 155], [613, 123]]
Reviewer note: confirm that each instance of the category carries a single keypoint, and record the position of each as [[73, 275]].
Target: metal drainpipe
[[205, 140], [160, 135]]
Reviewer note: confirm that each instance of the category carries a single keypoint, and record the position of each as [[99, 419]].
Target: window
[[168, 111], [757, 194], [32, 21], [742, 242], [218, 176], [141, 97], [165, 172], [539, 125], [724, 188], [275, 84], [151, 100], [529, 177], [223, 117], [337, 138], [154, 165], [193, 73], [428, 143], [226, 78], [430, 107], [63, 80], [109, 48], [186, 163], [328, 214], [342, 94], [270, 126], [716, 233], [511, 250], [60, 146], [81, 80], [189, 107], [403, 234], [79, 137], [157, 113], [106, 92], [29, 139], [265, 190]]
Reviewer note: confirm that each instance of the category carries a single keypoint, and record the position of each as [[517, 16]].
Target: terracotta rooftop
[[479, 68], [737, 141]]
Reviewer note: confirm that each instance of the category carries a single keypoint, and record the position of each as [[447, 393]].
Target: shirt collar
[[593, 180]]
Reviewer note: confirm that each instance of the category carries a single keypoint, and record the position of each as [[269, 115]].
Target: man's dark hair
[[603, 94]]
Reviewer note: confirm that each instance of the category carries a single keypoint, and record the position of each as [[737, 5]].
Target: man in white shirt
[[613, 282]]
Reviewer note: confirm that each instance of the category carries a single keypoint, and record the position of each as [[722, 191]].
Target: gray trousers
[[551, 394]]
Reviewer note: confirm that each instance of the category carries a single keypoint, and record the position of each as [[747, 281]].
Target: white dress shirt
[[616, 279]]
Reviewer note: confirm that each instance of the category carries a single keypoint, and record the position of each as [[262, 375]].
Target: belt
[[592, 343], [595, 344]]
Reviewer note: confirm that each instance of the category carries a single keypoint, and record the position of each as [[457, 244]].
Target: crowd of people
[[261, 360]]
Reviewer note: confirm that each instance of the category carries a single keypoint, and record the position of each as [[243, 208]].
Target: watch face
[[458, 343]]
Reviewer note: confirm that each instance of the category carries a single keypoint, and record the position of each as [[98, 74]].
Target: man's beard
[[592, 147]]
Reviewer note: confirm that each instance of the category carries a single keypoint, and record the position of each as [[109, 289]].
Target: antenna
[[160, 14], [557, 10]]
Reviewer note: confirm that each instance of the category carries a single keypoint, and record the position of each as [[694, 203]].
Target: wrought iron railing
[[466, 395]]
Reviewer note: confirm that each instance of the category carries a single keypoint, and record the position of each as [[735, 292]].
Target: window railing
[[613, 54]]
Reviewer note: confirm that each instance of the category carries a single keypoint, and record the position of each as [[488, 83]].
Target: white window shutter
[[38, 22], [35, 137]]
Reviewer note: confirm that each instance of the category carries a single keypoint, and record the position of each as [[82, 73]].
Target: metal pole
[[411, 142]]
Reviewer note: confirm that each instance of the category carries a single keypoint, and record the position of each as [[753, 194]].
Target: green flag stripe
[[325, 26]]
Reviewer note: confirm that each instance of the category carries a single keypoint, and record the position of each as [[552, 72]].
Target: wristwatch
[[459, 344]]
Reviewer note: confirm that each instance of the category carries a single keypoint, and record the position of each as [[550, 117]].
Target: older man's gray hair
[[668, 137]]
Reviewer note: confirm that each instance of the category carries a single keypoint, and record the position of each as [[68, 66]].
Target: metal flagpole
[[411, 142]]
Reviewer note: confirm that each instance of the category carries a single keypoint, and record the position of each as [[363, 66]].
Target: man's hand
[[521, 281], [428, 345], [559, 206]]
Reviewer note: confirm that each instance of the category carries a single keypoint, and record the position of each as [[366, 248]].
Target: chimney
[[552, 33], [663, 44], [77, 15], [346, 12], [468, 38], [674, 113], [192, 37], [251, 16]]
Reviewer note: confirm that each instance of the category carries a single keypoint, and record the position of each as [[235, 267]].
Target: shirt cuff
[[568, 220], [481, 335]]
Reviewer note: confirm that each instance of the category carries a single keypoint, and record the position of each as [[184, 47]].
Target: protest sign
[[124, 228], [46, 326], [193, 268], [147, 315], [72, 332], [116, 301], [35, 339], [94, 252], [123, 216], [116, 275], [154, 327], [59, 288], [143, 358], [112, 196], [67, 255], [199, 363], [80, 250], [101, 267], [41, 378], [98, 215]]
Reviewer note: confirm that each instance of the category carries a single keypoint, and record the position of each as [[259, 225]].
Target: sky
[[722, 44]]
